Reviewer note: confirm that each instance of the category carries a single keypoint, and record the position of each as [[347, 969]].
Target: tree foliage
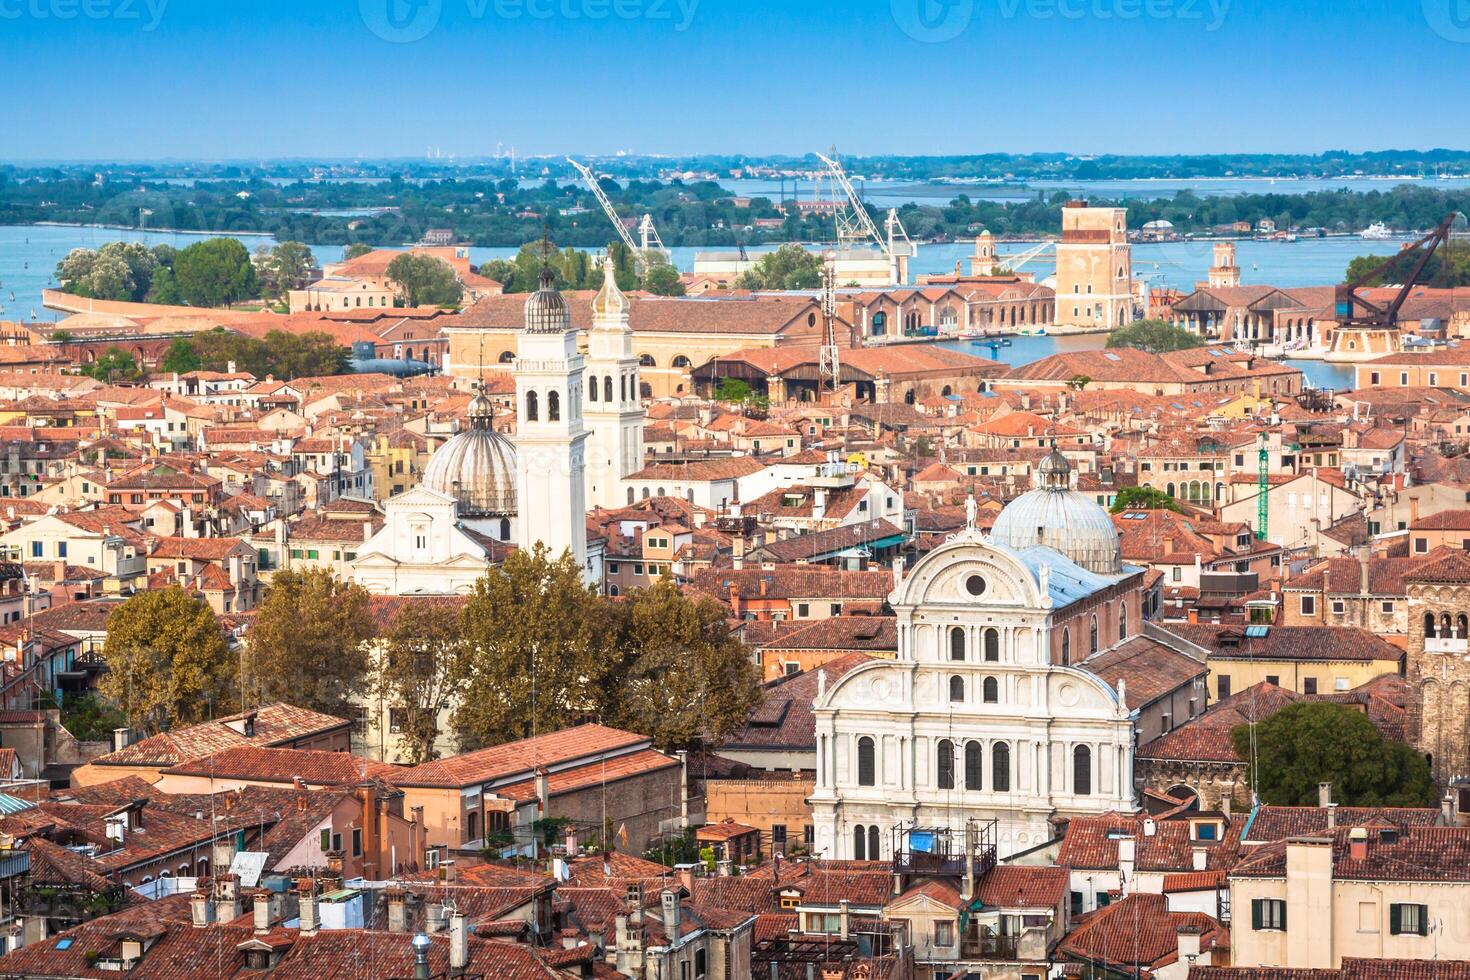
[[788, 267], [1449, 266], [181, 358], [115, 364], [287, 266], [119, 271], [1153, 336], [419, 664], [1144, 498], [663, 280], [278, 354], [686, 678], [541, 650], [423, 280], [308, 642], [1314, 742], [167, 661], [214, 272]]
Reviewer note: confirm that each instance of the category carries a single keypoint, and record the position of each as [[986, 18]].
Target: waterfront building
[[1094, 279]]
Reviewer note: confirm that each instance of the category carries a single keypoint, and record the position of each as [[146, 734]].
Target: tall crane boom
[[651, 242], [860, 216]]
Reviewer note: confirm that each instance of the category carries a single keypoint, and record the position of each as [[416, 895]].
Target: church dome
[[477, 467], [546, 308], [1056, 516]]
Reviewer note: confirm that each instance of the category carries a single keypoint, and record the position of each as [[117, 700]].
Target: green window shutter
[[1283, 916], [1256, 904], [326, 840], [1395, 919], [1424, 920]]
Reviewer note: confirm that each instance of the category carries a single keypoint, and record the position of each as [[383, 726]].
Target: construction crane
[[652, 251], [1263, 486], [1347, 301], [828, 365], [854, 224], [1014, 262]]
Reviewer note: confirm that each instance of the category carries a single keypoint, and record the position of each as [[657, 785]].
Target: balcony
[[989, 946], [1446, 644], [945, 850]]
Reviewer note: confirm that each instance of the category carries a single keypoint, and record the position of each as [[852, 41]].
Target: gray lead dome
[[477, 467], [1056, 516], [546, 309]]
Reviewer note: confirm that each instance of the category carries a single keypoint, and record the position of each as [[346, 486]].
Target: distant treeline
[[491, 212]]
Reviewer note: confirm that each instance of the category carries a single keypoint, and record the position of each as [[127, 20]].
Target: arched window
[[530, 406], [630, 495], [612, 590], [992, 645], [505, 529], [957, 688], [859, 843], [507, 356], [1092, 636], [1000, 768], [990, 690], [957, 643], [1066, 648], [623, 387], [880, 324], [944, 766], [1461, 625], [645, 360], [553, 406], [873, 852], [592, 389], [1082, 771], [680, 361], [1429, 624], [974, 764], [867, 768], [1122, 620], [607, 388]]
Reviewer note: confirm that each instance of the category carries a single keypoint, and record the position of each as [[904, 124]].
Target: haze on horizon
[[198, 80]]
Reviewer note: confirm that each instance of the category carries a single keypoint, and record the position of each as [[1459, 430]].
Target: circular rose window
[[975, 585]]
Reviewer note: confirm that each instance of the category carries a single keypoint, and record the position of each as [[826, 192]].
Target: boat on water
[[1377, 231]]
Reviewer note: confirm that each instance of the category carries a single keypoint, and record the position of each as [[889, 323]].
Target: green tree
[[167, 661], [733, 390], [308, 642], [1153, 336], [688, 680], [290, 264], [165, 288], [1314, 742], [1144, 498], [214, 272], [303, 355], [541, 650], [355, 251], [663, 280], [789, 267], [423, 280], [115, 364], [181, 358], [417, 670]]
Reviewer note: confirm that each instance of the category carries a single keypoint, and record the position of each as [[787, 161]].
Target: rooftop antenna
[[827, 358]]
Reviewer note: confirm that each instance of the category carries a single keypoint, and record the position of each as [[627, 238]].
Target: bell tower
[[551, 490], [614, 410], [1224, 273]]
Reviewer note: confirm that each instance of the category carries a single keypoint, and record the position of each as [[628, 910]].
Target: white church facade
[[990, 711]]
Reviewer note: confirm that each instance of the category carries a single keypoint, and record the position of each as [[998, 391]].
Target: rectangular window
[[357, 842], [36, 550], [61, 549], [835, 609], [1421, 546], [1178, 575], [295, 552], [1222, 687], [312, 554], [944, 933], [612, 568], [1408, 920], [802, 610], [1309, 685], [1309, 605], [1273, 679], [1337, 606], [326, 841], [1268, 913], [1077, 907], [778, 833]]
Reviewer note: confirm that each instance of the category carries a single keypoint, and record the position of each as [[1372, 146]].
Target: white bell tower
[[613, 407], [551, 490]]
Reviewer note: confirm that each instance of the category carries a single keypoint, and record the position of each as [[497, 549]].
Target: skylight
[[1111, 356]]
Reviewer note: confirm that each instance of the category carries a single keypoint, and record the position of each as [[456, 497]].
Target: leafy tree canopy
[[307, 642], [1153, 336], [1143, 498], [423, 280], [115, 364], [1314, 742], [663, 280], [789, 267], [167, 661], [419, 664], [214, 272]]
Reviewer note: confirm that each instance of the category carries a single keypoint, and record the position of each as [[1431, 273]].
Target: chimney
[[1447, 814], [735, 594], [1413, 511], [397, 910], [121, 739], [227, 897], [310, 921], [1358, 844], [670, 900], [543, 792], [1200, 857], [737, 552], [1364, 555], [1324, 794], [201, 909], [1188, 941], [434, 917], [447, 867], [459, 943], [1332, 816], [845, 917], [262, 911], [1127, 854]]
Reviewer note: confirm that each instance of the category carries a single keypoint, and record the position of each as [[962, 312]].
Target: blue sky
[[254, 79]]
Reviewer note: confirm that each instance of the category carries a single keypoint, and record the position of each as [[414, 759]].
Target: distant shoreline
[[144, 231]]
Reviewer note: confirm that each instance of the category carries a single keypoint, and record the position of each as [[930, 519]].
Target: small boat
[[1377, 231]]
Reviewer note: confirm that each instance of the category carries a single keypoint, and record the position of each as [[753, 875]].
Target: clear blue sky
[[254, 79]]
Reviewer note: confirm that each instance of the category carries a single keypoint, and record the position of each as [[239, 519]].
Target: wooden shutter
[[1256, 905], [1395, 919]]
